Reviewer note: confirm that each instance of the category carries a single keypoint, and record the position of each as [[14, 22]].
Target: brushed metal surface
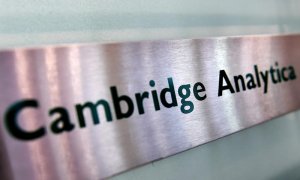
[[63, 76]]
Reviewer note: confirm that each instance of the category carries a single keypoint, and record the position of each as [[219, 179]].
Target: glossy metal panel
[[63, 76]]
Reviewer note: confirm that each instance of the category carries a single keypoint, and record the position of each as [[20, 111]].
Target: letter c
[[282, 74], [12, 125]]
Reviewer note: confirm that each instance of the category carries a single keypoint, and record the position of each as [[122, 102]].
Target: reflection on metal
[[50, 130]]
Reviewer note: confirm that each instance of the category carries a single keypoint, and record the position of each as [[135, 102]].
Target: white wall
[[35, 22]]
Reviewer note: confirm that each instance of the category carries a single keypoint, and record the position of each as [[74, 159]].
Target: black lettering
[[93, 108], [272, 75], [250, 82], [265, 79], [12, 125], [170, 90], [285, 78], [223, 76], [117, 99], [139, 100], [62, 123], [185, 104], [278, 72], [197, 89], [236, 81], [292, 74], [257, 75], [154, 96]]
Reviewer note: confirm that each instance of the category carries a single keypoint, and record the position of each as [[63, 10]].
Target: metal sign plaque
[[92, 111]]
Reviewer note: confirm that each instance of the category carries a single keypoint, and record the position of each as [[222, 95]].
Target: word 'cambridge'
[[172, 96]]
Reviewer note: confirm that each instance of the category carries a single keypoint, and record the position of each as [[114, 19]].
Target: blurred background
[[267, 151]]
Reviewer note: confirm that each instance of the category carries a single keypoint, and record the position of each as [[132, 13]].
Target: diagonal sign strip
[[91, 111]]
